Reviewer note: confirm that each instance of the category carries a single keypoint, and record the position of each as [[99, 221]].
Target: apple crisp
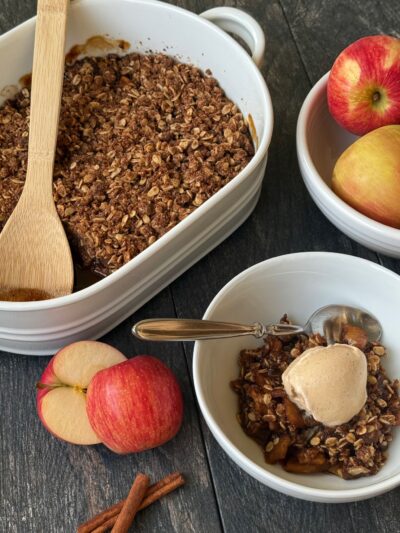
[[292, 437], [143, 141]]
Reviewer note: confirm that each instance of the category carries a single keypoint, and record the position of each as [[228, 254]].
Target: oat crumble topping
[[301, 444], [143, 141]]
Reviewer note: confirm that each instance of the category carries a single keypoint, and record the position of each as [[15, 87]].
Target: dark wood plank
[[47, 485], [14, 12], [285, 220], [322, 29], [50, 486]]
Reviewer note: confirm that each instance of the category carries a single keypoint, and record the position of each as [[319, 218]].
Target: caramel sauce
[[96, 43], [82, 278], [23, 295], [26, 80], [253, 132]]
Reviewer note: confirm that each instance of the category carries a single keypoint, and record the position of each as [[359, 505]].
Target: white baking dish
[[40, 328]]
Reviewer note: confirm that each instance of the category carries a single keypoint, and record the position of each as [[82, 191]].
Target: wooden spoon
[[35, 256]]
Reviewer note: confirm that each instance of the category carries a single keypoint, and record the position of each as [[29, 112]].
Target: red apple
[[61, 397], [364, 84], [367, 175], [135, 405]]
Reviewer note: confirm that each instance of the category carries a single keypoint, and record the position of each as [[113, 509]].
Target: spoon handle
[[47, 78], [184, 329], [175, 329]]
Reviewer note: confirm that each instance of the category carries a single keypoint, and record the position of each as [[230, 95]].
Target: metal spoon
[[327, 321]]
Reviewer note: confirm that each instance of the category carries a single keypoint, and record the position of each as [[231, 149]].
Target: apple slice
[[61, 397]]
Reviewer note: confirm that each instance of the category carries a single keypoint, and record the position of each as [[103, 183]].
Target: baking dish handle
[[241, 24]]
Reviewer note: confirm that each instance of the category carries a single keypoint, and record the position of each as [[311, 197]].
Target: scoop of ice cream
[[330, 383]]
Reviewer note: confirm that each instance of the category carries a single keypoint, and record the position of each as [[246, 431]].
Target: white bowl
[[320, 141], [43, 327], [296, 284]]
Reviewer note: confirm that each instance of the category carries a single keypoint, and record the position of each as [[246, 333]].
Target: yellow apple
[[367, 175]]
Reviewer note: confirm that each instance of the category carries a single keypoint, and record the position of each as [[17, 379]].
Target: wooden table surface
[[50, 486]]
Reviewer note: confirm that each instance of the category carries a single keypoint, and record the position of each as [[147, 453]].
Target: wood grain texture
[[14, 12], [49, 486], [322, 29], [47, 79], [285, 220], [34, 249]]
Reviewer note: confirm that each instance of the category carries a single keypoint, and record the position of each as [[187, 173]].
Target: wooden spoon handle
[[47, 81]]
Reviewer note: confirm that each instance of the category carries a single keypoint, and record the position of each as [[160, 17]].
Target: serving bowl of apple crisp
[[261, 423]]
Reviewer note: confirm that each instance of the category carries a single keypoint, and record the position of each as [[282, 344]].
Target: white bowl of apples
[[366, 206], [296, 284]]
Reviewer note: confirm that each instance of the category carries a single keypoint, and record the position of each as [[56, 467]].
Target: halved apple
[[61, 397]]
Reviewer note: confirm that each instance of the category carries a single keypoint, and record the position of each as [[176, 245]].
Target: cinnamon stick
[[105, 520], [160, 489], [100, 519], [166, 489], [132, 504]]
